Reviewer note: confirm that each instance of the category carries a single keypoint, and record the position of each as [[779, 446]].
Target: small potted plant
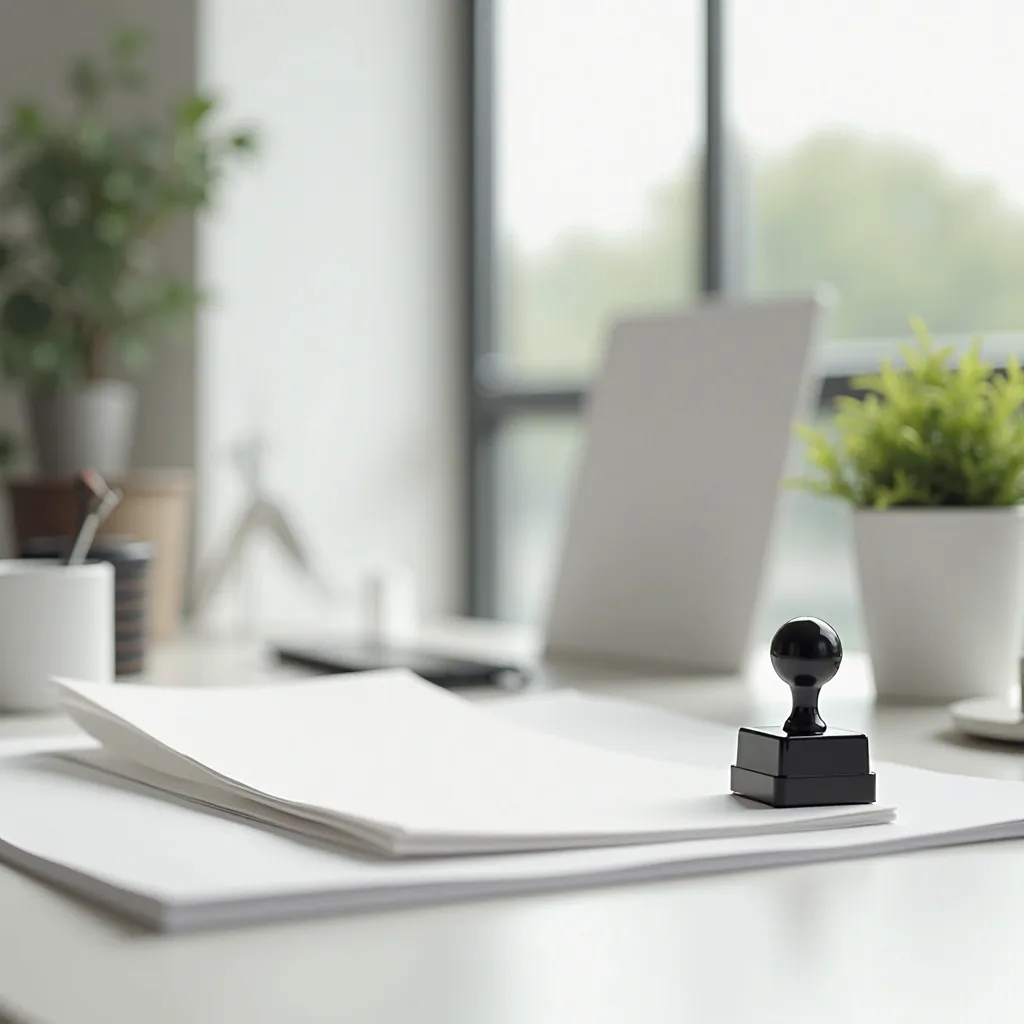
[[932, 461], [84, 200]]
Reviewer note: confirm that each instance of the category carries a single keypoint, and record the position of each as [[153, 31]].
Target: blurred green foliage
[[896, 230], [885, 221], [939, 432], [84, 200], [8, 450]]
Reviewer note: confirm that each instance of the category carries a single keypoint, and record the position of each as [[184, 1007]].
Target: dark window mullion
[[479, 516], [713, 256]]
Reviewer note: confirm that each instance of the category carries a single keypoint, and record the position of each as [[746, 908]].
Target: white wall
[[335, 262]]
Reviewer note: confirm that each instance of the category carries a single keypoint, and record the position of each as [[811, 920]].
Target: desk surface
[[930, 937]]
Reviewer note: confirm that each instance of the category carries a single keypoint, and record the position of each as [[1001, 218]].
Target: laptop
[[687, 432]]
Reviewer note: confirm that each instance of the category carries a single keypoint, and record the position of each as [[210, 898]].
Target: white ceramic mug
[[55, 620]]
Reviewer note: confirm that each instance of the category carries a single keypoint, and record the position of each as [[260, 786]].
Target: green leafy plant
[[84, 200], [8, 450], [939, 432]]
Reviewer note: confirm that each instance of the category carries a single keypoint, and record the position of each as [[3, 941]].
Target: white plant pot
[[942, 592], [88, 426]]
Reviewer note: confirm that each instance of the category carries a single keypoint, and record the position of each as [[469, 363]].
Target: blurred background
[[860, 143], [410, 286]]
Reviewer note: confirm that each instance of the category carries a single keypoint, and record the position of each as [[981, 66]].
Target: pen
[[99, 499]]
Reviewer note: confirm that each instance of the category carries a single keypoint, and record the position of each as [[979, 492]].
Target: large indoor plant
[[931, 457], [85, 198]]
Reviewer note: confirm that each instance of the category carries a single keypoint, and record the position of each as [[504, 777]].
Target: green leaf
[[921, 333], [27, 123], [85, 80], [8, 450], [112, 228], [128, 43], [243, 141], [190, 111], [25, 315]]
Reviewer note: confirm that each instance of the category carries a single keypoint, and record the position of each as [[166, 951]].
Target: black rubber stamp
[[805, 763]]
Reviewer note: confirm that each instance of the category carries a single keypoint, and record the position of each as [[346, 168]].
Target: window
[[859, 142], [595, 135]]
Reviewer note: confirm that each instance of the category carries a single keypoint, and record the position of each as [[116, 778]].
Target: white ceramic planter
[[942, 591], [89, 426]]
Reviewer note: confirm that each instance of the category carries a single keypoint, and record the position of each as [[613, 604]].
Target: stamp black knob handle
[[806, 653]]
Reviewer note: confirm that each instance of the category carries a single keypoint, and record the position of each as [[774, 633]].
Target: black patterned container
[[131, 560]]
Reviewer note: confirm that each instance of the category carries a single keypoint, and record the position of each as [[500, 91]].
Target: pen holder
[[55, 620], [132, 561]]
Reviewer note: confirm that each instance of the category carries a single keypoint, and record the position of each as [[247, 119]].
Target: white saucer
[[989, 718]]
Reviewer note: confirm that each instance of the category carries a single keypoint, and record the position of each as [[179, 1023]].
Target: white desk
[[926, 937]]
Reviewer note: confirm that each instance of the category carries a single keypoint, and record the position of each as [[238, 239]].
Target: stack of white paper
[[386, 763], [171, 864]]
